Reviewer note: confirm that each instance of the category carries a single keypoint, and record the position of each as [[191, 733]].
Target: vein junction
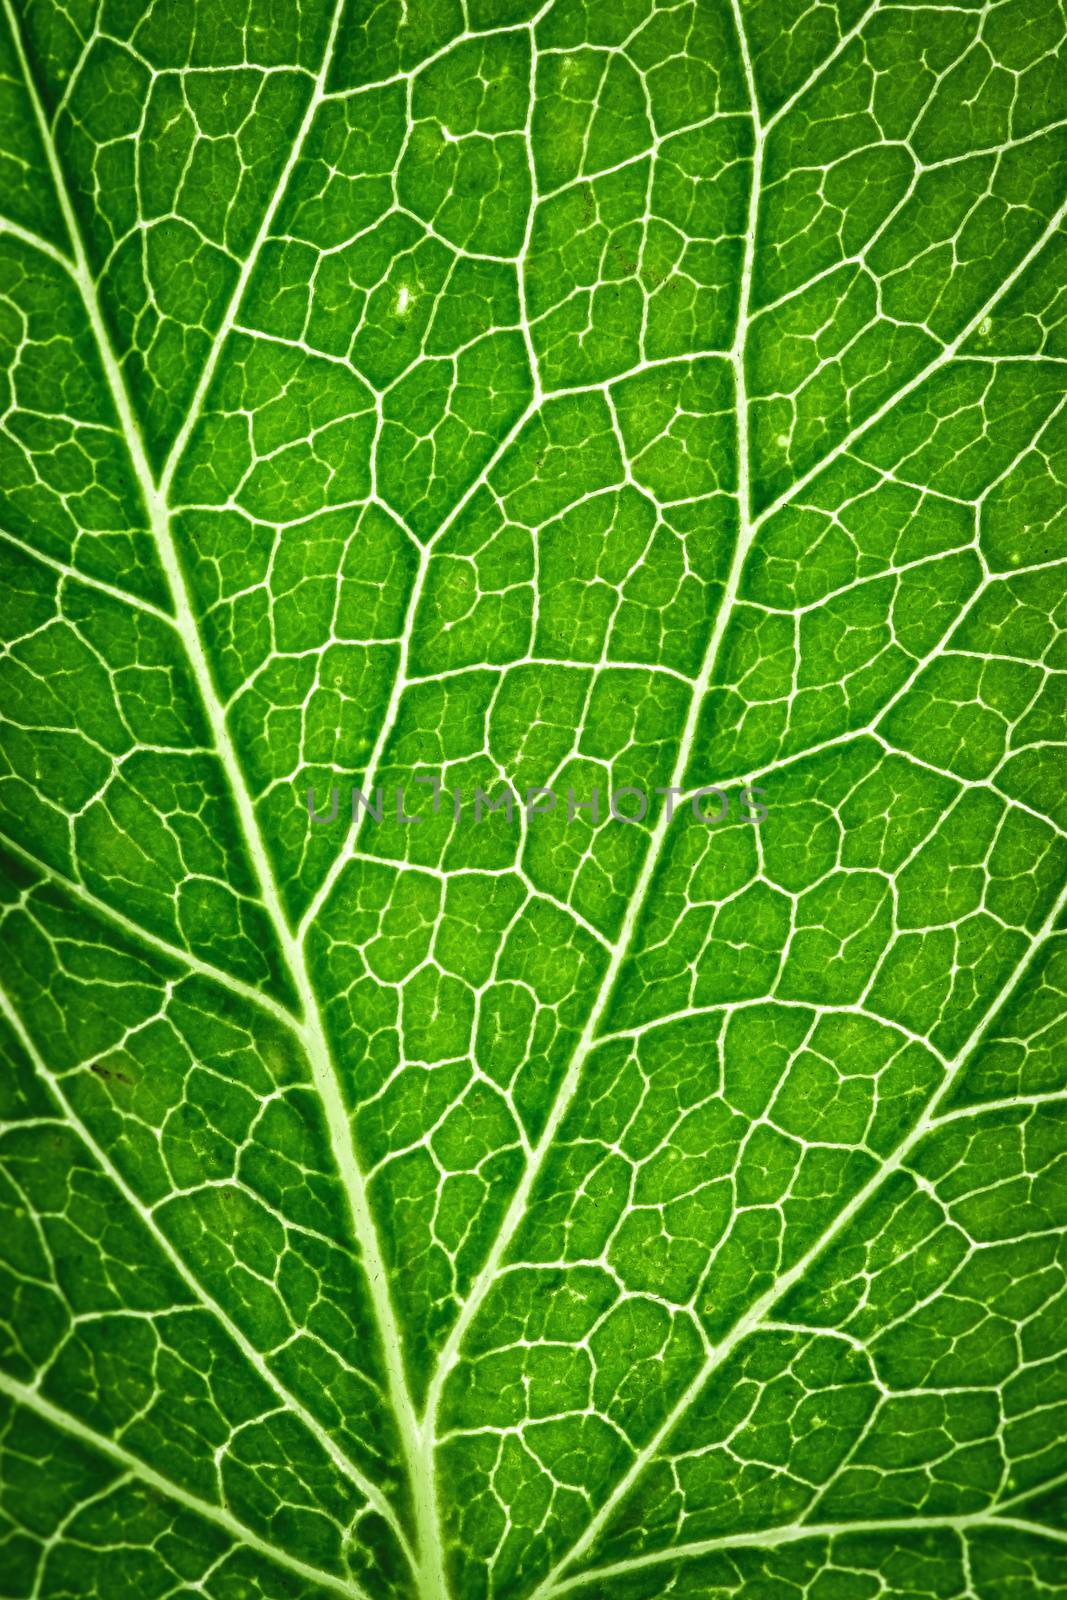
[[561, 396]]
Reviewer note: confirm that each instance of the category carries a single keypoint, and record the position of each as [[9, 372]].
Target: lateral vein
[[310, 1026], [771, 1538], [757, 1313], [590, 1033], [33, 1400], [367, 1488]]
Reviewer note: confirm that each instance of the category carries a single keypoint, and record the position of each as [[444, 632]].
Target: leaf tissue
[[447, 447]]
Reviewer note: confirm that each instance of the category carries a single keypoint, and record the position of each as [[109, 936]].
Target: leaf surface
[[635, 400]]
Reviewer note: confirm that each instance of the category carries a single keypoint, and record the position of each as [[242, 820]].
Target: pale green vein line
[[824, 65], [946, 355], [419, 1433], [22, 1394], [1033, 1489], [401, 680], [174, 953], [253, 1356], [35, 241], [86, 580], [773, 1538], [315, 100], [759, 1309], [1018, 1102], [310, 1028], [1039, 1530], [589, 1037]]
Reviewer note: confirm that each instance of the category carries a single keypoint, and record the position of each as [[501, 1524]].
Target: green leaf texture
[[620, 393]]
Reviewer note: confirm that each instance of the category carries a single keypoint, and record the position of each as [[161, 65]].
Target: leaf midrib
[[419, 1436], [210, 1302], [309, 1028]]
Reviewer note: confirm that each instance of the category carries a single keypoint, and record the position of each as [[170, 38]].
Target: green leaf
[[417, 1196]]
